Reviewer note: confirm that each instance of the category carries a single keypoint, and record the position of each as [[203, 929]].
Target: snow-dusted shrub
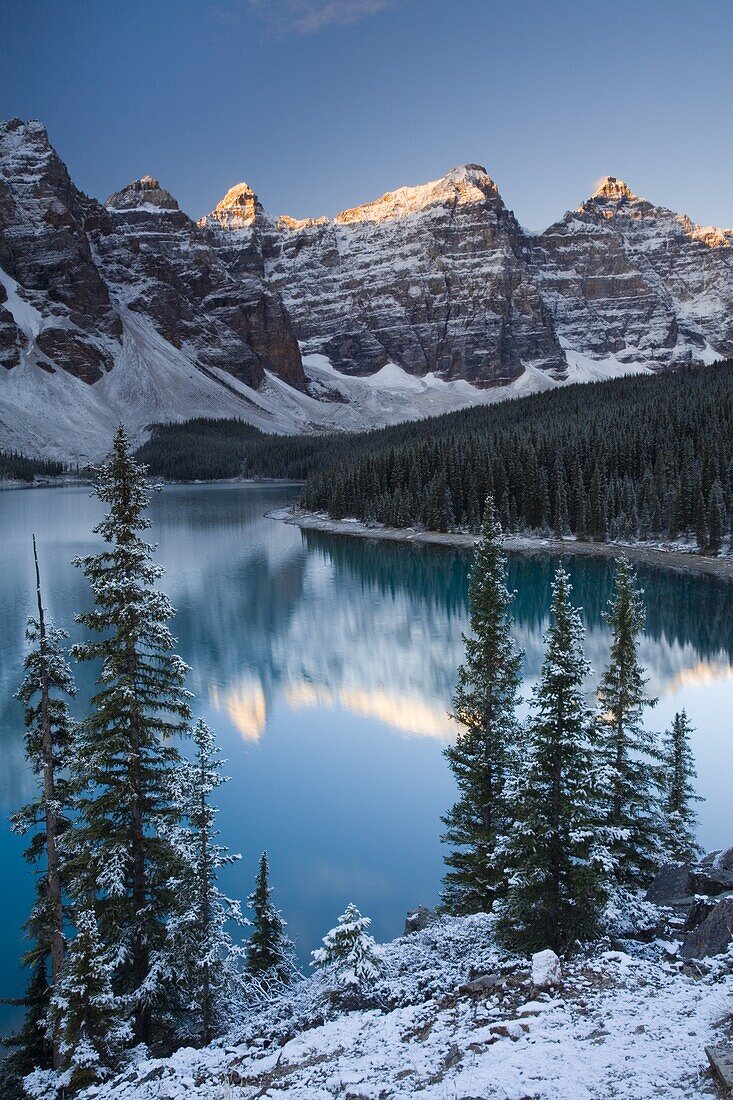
[[628, 916], [434, 962], [349, 958]]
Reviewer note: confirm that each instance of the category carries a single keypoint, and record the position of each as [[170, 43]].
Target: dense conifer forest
[[636, 458], [16, 467]]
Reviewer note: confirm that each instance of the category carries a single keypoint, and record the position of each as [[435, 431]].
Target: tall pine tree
[[126, 759], [677, 774], [44, 692], [484, 755], [202, 956], [270, 953], [627, 750], [556, 891]]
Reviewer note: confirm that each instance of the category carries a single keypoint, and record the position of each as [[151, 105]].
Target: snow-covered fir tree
[[202, 956], [628, 752], [677, 776], [30, 1048], [94, 1021], [349, 957], [556, 893], [270, 953], [126, 757], [484, 755], [46, 688]]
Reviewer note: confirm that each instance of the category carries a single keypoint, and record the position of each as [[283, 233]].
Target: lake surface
[[326, 666]]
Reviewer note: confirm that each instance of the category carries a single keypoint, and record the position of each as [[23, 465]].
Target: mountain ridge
[[428, 298]]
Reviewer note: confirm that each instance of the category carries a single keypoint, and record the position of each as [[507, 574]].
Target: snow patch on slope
[[27, 317], [583, 368], [150, 381]]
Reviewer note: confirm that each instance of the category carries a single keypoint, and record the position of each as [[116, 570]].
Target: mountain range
[[428, 299]]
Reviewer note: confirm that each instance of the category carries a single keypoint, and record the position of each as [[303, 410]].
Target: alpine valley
[[429, 299]]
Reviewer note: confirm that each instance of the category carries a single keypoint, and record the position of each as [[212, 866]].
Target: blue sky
[[322, 104]]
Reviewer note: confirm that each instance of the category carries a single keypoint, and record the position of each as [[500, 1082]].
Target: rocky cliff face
[[162, 265], [72, 268], [441, 280], [431, 278], [626, 278], [65, 317]]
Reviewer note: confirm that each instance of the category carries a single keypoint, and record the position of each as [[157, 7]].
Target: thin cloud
[[312, 16]]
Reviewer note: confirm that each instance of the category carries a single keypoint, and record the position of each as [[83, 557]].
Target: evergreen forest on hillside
[[17, 467], [640, 457]]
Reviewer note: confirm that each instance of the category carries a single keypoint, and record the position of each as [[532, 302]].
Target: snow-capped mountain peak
[[239, 209], [612, 189], [467, 183]]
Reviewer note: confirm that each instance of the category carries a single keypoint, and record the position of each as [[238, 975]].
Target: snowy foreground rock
[[546, 970], [626, 1024]]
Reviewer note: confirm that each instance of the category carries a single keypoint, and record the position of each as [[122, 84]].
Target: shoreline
[[9, 484], [75, 482], [678, 561]]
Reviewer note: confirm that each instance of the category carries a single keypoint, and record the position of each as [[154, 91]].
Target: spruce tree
[[716, 517], [126, 757], [483, 757], [46, 687], [30, 1047], [203, 959], [597, 507], [627, 750], [677, 780], [349, 955], [555, 893], [270, 952], [94, 1024]]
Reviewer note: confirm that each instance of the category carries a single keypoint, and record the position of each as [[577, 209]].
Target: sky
[[323, 104]]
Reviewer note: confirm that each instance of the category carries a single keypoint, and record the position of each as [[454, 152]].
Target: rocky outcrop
[[714, 936], [701, 898], [623, 277], [417, 919]]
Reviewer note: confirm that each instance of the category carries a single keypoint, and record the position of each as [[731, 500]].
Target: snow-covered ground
[[622, 1026]]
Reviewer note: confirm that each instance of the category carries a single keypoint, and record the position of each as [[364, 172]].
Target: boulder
[[546, 970], [671, 885], [485, 983], [417, 919], [713, 936], [721, 1063], [697, 913], [712, 881]]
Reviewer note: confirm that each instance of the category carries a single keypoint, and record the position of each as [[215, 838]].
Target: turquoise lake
[[326, 666]]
